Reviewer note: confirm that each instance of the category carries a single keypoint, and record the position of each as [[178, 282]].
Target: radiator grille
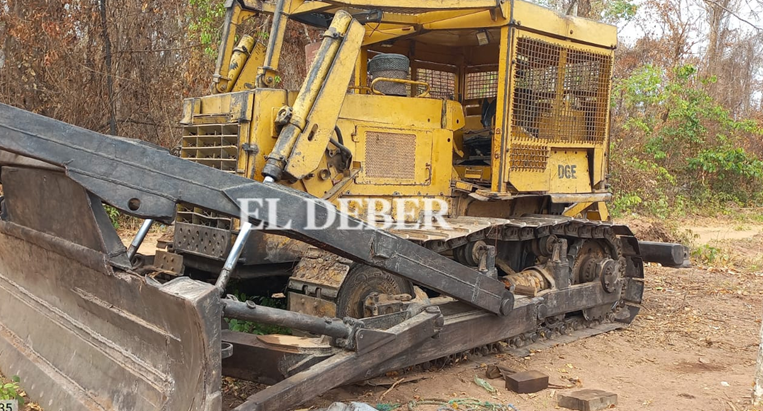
[[187, 213], [442, 84], [216, 146], [390, 155], [561, 93], [528, 157]]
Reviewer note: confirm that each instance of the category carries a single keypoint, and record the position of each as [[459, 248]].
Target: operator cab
[[555, 94], [461, 66]]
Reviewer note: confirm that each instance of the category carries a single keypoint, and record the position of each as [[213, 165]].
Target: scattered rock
[[588, 400], [492, 372], [526, 382], [353, 406]]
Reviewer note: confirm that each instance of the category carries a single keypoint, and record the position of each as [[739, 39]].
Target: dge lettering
[[567, 171]]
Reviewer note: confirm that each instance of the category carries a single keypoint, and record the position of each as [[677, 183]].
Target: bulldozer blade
[[78, 347], [84, 335]]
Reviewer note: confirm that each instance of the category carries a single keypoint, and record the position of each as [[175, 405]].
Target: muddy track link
[[570, 328]]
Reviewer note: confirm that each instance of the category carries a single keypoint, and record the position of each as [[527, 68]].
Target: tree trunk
[[584, 8], [717, 15], [109, 78]]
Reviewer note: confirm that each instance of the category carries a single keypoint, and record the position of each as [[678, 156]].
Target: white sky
[[750, 10]]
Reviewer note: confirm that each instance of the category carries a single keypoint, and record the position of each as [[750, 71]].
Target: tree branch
[[734, 14]]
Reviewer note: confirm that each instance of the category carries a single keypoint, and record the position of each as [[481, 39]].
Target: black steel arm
[[148, 182]]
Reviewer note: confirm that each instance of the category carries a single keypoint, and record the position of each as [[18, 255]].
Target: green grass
[[12, 391]]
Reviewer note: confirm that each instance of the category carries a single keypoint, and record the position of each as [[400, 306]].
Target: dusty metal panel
[[90, 338], [202, 240], [46, 200], [390, 155], [30, 193]]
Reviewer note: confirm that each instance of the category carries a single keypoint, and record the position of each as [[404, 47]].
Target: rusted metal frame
[[54, 284], [256, 360], [466, 328], [346, 366], [461, 324], [147, 182], [249, 311], [112, 244]]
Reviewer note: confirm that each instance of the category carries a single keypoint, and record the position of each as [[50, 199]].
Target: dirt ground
[[693, 347]]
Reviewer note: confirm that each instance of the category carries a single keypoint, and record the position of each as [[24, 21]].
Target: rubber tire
[[363, 280]]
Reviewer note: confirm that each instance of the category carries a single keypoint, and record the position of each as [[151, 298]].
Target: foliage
[[12, 391], [256, 328], [113, 214], [625, 204], [54, 54], [677, 149], [730, 171], [619, 10], [709, 254], [207, 24], [610, 11]]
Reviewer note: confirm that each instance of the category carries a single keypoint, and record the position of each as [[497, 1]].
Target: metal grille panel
[[528, 157], [390, 155], [442, 84], [561, 93], [216, 146], [187, 213], [482, 84]]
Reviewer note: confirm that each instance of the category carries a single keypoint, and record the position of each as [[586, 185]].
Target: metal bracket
[[266, 76], [332, 33], [371, 16]]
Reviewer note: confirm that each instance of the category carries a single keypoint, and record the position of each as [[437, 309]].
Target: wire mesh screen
[[560, 93], [442, 84], [482, 84]]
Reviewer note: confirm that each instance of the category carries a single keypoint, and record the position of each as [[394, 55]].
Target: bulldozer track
[[548, 331], [570, 328]]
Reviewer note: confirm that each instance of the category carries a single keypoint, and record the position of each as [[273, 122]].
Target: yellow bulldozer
[[437, 185]]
